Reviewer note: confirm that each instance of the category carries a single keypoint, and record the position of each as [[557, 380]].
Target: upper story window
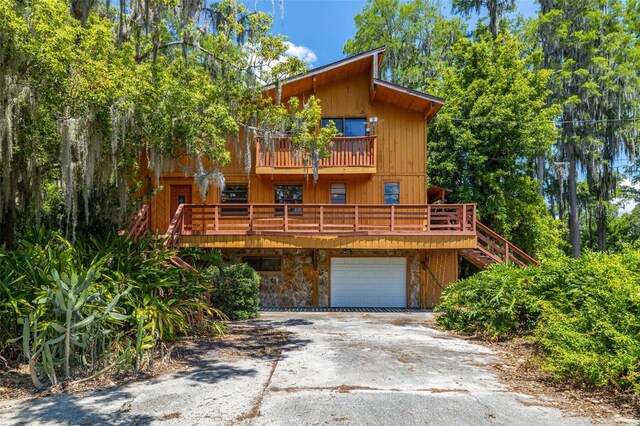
[[392, 192], [348, 126], [288, 194], [338, 193], [235, 194]]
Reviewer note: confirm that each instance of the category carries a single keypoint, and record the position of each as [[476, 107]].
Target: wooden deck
[[296, 219], [349, 155], [324, 226]]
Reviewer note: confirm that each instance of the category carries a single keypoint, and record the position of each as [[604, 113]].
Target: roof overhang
[[391, 93], [427, 105], [328, 73]]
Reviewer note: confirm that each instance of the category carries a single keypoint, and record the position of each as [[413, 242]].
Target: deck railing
[[237, 219], [359, 151], [138, 224], [500, 250]]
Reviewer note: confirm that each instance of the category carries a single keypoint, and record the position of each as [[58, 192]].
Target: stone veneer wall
[[294, 286]]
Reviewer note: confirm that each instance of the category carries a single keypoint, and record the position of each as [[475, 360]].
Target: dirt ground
[[241, 340], [520, 368]]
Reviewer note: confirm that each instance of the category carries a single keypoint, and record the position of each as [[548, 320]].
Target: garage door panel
[[368, 282]]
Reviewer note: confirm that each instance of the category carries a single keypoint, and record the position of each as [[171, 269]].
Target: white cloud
[[303, 53], [627, 205]]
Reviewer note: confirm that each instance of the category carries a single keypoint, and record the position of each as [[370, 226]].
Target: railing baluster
[[357, 219], [251, 218], [216, 224], [321, 218], [286, 218], [393, 217]]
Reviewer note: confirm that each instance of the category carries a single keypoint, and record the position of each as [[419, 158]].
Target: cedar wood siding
[[401, 156]]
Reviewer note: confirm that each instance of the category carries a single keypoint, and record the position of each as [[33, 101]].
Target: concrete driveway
[[308, 369]]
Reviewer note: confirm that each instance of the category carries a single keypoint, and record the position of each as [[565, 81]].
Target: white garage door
[[375, 282]]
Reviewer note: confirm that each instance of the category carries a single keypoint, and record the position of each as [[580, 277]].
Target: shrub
[[236, 290], [583, 313], [81, 309], [495, 302]]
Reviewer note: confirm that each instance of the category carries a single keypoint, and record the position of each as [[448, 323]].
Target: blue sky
[[318, 29]]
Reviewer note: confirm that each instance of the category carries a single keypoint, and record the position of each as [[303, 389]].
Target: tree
[[484, 141], [85, 88], [417, 36], [495, 8], [593, 51]]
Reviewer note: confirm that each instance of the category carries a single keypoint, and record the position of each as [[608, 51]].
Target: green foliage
[[85, 89], [494, 123], [81, 309], [235, 290], [581, 312], [417, 37]]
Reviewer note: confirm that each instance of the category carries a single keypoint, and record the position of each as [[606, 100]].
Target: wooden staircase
[[139, 226], [493, 248]]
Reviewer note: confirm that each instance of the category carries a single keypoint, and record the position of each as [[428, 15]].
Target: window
[[392, 193], [338, 193], [264, 263], [235, 194], [288, 194], [348, 126]]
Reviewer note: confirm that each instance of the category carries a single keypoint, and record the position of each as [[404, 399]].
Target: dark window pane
[[339, 122], [264, 263], [338, 193], [392, 193], [288, 194], [235, 194], [355, 127]]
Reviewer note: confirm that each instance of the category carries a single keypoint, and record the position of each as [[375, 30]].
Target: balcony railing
[[357, 151], [239, 219]]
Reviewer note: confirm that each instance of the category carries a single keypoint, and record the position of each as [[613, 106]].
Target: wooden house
[[369, 233]]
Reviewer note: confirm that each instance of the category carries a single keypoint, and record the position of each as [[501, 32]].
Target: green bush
[[583, 313], [236, 290], [81, 309]]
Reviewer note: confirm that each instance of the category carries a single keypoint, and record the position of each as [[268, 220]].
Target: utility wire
[[557, 122]]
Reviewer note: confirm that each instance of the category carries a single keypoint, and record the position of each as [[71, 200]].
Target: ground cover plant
[[582, 313], [75, 311]]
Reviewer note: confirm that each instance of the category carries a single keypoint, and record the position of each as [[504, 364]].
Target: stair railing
[[174, 233], [139, 224], [500, 249]]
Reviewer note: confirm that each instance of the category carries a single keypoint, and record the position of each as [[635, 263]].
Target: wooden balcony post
[[393, 218], [428, 218], [251, 218], [357, 219], [216, 225], [286, 218], [506, 252], [375, 151], [321, 218], [463, 222]]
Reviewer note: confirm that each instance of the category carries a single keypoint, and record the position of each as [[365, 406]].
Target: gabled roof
[[382, 90]]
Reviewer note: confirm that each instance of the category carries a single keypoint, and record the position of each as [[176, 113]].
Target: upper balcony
[[349, 155]]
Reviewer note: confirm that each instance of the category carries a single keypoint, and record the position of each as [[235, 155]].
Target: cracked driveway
[[313, 368]]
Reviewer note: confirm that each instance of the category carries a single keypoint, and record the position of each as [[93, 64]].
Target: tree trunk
[[8, 227], [494, 22], [574, 223], [601, 226], [540, 173]]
